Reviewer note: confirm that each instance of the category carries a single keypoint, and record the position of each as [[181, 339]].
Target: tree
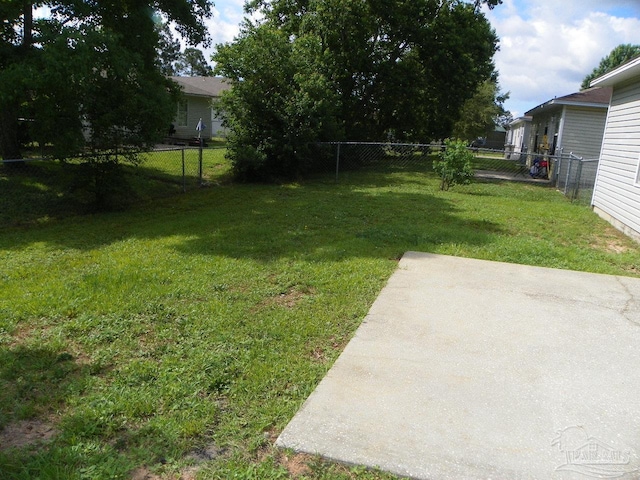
[[619, 55], [482, 112], [385, 69], [168, 48], [192, 63], [89, 68], [173, 61], [279, 103]]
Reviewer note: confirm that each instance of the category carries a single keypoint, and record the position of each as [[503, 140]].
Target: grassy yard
[[179, 338]]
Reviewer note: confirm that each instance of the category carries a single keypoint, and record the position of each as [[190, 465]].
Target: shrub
[[455, 164]]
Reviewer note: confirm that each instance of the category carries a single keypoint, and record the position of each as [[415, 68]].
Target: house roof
[[519, 120], [597, 97], [202, 86], [624, 72]]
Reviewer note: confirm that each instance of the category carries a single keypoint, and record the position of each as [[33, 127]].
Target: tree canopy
[[314, 70], [87, 74], [481, 113], [172, 60], [619, 55]]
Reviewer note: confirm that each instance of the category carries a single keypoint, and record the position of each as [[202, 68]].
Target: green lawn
[[181, 336]]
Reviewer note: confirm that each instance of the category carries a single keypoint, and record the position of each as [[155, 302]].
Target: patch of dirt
[[319, 354], [611, 243], [143, 473], [197, 456], [297, 464], [25, 433], [288, 299], [25, 332], [205, 454], [616, 247]]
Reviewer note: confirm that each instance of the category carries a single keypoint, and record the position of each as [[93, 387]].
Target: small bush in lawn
[[454, 166]]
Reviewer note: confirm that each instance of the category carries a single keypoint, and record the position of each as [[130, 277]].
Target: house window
[[637, 179], [183, 113]]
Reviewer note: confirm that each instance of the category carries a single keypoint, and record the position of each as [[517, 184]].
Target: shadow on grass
[[35, 384], [35, 191], [319, 221], [34, 381]]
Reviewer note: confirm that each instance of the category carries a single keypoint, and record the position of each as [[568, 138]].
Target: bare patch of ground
[[197, 456], [614, 242], [26, 432], [297, 464], [288, 299], [319, 354]]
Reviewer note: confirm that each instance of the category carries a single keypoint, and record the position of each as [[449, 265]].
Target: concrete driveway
[[469, 369]]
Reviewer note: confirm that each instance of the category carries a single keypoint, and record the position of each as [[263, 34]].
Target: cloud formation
[[547, 47]]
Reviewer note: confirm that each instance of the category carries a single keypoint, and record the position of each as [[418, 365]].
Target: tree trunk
[[9, 144]]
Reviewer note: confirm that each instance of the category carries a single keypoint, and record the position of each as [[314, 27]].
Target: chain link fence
[[572, 175], [576, 177], [36, 188]]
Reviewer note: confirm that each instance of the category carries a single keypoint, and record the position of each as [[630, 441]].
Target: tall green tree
[[87, 75], [192, 63], [386, 69], [168, 48], [172, 60], [482, 112], [619, 55]]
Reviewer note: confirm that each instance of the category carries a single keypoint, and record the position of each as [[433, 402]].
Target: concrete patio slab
[[469, 369]]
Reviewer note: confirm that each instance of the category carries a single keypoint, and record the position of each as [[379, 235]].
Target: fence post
[[337, 161], [200, 162], [574, 195], [557, 168], [184, 177], [566, 180]]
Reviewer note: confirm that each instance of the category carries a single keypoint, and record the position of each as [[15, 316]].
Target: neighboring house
[[616, 196], [573, 123], [518, 136], [199, 93]]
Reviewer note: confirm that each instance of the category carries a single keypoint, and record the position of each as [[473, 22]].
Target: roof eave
[[624, 72]]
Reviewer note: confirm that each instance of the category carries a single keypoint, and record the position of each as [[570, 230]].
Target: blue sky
[[547, 46]]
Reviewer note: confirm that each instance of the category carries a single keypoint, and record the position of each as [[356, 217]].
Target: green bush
[[455, 164]]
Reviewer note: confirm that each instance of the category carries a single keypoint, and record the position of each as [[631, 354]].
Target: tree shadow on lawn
[[35, 381], [35, 438], [264, 222], [324, 224]]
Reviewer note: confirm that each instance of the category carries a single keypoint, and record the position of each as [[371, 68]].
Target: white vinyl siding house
[[573, 123], [182, 116], [616, 195], [518, 136], [583, 130], [199, 94]]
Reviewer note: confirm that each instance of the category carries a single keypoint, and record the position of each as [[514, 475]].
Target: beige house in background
[[574, 123], [199, 93], [518, 136]]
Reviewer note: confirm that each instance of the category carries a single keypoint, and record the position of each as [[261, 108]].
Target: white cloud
[[548, 47]]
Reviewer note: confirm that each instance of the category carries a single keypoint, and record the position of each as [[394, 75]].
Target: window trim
[[182, 113]]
